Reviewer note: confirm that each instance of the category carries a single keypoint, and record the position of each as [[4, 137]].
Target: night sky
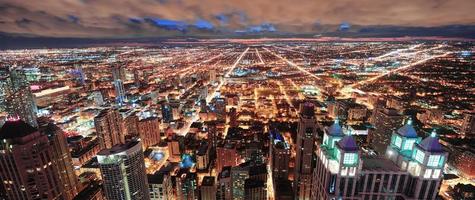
[[144, 18]]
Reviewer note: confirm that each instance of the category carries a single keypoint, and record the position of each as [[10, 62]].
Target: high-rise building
[[149, 131], [411, 168], [62, 159], [123, 171], [233, 118], [167, 113], [17, 99], [305, 148], [186, 185], [468, 125], [118, 76], [27, 166], [160, 184], [202, 156], [239, 174], [255, 189], [219, 107], [176, 147], [279, 156], [108, 128], [208, 188], [224, 191], [384, 120]]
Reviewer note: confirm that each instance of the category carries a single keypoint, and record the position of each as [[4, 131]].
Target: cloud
[[115, 18]]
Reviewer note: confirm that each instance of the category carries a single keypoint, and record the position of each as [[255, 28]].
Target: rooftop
[[379, 164], [16, 129]]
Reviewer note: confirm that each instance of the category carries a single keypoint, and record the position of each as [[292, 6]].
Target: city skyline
[[237, 100]]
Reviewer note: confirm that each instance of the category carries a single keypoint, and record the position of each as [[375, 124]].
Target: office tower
[[239, 174], [305, 148], [212, 76], [149, 131], [204, 92], [384, 120], [255, 189], [161, 184], [119, 91], [62, 159], [203, 106], [118, 72], [158, 184], [118, 76], [208, 188], [167, 114], [27, 168], [108, 128], [219, 105], [411, 169], [468, 125], [338, 164], [123, 171], [424, 161], [224, 184], [186, 186], [279, 156], [227, 155], [17, 99], [233, 118], [130, 123], [202, 156]]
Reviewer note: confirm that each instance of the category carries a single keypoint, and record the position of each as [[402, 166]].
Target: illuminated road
[[189, 69], [216, 90], [259, 55]]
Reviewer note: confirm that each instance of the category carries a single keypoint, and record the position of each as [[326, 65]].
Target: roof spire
[[434, 133], [409, 121]]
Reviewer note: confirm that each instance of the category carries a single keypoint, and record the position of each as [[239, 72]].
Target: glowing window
[[350, 158], [408, 144], [419, 156], [397, 141], [433, 161], [436, 173]]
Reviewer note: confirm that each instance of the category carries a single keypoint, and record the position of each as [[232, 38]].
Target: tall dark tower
[[306, 134]]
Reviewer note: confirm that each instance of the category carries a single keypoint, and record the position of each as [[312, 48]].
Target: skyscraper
[[62, 159], [27, 168], [212, 76], [149, 131], [108, 128], [17, 99], [411, 168], [208, 188], [279, 156], [167, 113], [384, 120], [305, 148], [118, 76], [123, 172]]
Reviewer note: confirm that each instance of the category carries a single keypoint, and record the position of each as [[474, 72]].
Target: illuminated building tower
[[468, 125], [186, 186], [255, 189], [239, 174], [167, 113], [202, 156], [18, 101], [62, 159], [108, 128], [305, 148], [384, 120], [280, 156], [130, 123], [98, 99], [208, 188], [233, 118], [149, 131], [224, 184], [27, 166], [118, 75], [203, 106], [219, 107], [123, 171], [424, 161], [338, 166], [161, 184], [204, 92]]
